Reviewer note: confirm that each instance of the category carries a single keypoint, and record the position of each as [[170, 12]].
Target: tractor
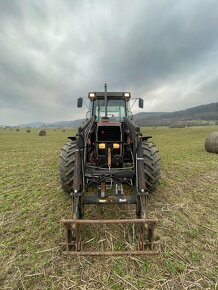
[[107, 154]]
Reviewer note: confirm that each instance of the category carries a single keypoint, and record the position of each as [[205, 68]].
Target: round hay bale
[[42, 133], [63, 130], [28, 131], [17, 129], [211, 143]]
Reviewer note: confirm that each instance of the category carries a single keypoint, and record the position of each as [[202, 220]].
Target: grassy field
[[32, 203]]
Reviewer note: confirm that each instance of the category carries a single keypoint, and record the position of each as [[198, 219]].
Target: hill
[[59, 124], [199, 115]]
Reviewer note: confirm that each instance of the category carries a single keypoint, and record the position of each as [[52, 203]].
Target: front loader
[[107, 155]]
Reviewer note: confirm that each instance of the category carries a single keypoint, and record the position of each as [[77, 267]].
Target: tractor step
[[146, 244]]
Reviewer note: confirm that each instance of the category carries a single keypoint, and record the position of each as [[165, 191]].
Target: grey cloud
[[53, 51]]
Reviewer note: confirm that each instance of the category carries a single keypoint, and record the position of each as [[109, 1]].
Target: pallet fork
[[73, 241]]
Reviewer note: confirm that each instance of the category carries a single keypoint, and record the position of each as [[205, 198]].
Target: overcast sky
[[53, 51]]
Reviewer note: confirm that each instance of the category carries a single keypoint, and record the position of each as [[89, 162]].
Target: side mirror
[[141, 103], [79, 102]]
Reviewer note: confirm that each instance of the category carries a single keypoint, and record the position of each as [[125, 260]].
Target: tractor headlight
[[116, 146], [101, 145]]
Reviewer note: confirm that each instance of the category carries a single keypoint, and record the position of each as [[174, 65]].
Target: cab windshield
[[115, 109]]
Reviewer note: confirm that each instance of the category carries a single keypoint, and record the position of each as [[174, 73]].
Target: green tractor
[[107, 153]]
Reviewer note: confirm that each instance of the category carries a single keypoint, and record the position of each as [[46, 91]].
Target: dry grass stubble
[[32, 203]]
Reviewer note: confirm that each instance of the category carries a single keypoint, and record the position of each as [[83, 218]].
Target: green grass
[[32, 203]]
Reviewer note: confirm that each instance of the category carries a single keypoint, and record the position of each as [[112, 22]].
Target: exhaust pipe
[[105, 99]]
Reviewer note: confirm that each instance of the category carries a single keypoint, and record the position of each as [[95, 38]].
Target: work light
[[92, 96], [126, 96]]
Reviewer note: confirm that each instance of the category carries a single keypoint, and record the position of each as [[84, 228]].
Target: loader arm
[[136, 137]]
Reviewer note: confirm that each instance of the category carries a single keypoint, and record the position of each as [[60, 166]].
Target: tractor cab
[[108, 138], [114, 109], [110, 106]]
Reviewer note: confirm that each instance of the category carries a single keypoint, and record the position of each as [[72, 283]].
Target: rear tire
[[151, 166], [66, 165]]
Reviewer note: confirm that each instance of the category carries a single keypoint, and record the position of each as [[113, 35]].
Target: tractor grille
[[109, 133]]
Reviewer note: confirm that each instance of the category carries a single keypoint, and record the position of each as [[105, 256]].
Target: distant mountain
[[66, 124], [60, 124], [189, 116], [192, 116], [32, 125], [145, 115]]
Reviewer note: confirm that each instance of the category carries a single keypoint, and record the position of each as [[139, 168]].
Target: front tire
[[66, 166], [151, 166]]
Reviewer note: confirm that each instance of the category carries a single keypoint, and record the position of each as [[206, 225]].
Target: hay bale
[[211, 143], [63, 130], [17, 129], [28, 131], [42, 133]]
